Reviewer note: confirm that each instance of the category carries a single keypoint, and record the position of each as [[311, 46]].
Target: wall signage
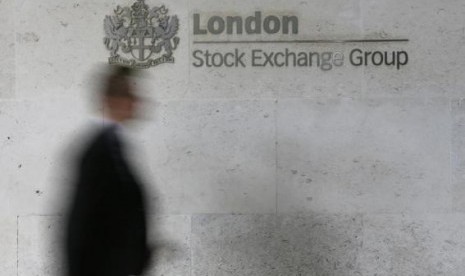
[[141, 37], [208, 30], [250, 25]]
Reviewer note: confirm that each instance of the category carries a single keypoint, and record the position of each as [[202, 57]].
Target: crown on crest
[[140, 7]]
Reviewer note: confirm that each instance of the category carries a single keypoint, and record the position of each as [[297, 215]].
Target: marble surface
[[37, 154], [436, 35], [213, 156], [7, 55], [8, 241], [429, 244], [458, 154], [252, 171], [364, 156], [40, 245]]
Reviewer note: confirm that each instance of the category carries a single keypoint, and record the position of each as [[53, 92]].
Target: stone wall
[[252, 171]]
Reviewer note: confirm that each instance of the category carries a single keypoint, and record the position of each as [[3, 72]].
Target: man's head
[[118, 95]]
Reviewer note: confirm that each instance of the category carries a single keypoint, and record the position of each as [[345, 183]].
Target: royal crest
[[141, 37]]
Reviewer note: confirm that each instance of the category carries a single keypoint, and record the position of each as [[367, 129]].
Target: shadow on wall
[[276, 245]]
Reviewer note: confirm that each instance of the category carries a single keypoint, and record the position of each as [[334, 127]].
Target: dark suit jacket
[[106, 233]]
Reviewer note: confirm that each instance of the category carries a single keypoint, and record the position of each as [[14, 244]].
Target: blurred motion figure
[[106, 232]]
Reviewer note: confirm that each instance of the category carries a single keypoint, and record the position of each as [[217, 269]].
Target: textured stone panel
[[213, 156], [429, 244], [8, 162], [67, 37], [275, 245], [39, 246], [458, 154], [37, 145], [8, 242], [319, 244], [7, 54], [234, 245], [435, 30], [317, 20], [171, 237], [363, 156]]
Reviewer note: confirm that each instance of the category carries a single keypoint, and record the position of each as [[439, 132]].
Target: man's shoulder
[[99, 141]]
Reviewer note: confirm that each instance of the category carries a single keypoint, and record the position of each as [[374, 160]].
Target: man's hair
[[117, 83]]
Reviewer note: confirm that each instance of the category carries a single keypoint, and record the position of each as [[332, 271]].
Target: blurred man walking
[[106, 233]]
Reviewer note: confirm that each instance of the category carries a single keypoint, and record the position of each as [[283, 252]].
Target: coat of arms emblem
[[141, 37]]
